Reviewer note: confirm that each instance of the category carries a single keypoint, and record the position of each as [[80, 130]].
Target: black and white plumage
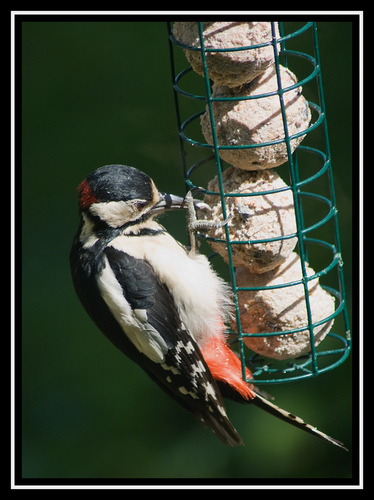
[[124, 265], [160, 304]]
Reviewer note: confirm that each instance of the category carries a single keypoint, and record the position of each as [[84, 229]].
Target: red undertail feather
[[226, 367]]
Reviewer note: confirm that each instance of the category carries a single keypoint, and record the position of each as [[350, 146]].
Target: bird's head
[[119, 195]]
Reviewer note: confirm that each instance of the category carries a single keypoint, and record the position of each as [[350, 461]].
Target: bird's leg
[[194, 224]]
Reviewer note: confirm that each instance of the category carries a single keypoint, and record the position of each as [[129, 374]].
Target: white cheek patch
[[134, 323], [114, 213]]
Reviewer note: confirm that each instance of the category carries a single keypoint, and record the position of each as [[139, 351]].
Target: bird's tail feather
[[274, 410], [222, 428]]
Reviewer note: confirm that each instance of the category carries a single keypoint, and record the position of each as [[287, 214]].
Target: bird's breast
[[201, 297]]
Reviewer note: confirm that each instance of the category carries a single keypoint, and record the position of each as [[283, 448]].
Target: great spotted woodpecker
[[160, 304]]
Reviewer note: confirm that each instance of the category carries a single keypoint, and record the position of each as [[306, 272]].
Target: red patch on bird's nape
[[226, 367], [86, 196]]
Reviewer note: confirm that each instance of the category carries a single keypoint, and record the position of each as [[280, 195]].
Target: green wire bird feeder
[[230, 84]]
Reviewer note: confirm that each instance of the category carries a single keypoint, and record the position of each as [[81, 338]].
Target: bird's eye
[[140, 205]]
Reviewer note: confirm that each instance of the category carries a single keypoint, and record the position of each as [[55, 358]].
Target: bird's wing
[[146, 312]]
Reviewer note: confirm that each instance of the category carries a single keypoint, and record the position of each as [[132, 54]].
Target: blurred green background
[[99, 92]]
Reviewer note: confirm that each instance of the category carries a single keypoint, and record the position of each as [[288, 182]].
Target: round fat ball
[[256, 121], [230, 68], [252, 217], [282, 309]]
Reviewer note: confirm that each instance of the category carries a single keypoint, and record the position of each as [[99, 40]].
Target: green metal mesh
[[309, 176]]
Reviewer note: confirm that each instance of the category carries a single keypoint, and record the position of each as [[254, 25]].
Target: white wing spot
[[183, 390], [171, 368], [189, 347], [197, 370], [222, 411], [209, 391]]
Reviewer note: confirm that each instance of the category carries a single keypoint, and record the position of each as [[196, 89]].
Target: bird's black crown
[[119, 183]]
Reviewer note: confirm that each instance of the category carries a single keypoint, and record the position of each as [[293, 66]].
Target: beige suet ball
[[252, 218], [282, 309], [256, 121], [230, 68]]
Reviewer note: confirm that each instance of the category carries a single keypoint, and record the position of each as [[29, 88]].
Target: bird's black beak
[[171, 202]]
